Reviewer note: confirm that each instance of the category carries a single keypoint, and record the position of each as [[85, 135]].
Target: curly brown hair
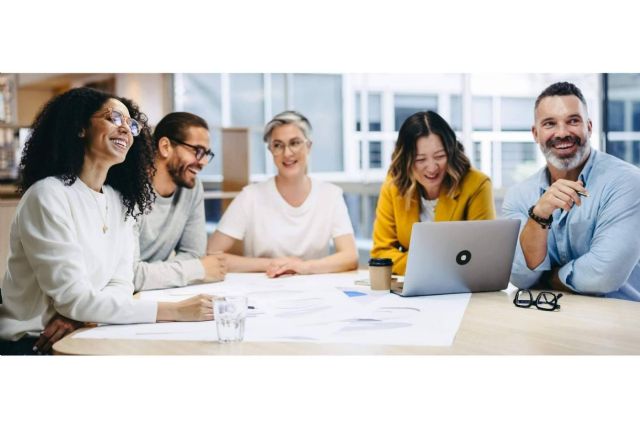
[[55, 148]]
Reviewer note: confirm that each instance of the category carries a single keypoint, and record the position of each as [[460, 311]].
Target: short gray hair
[[288, 118]]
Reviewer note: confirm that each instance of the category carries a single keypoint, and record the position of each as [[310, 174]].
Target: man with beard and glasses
[[172, 237], [581, 213]]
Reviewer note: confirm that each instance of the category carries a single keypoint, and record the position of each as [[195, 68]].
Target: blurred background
[[355, 119]]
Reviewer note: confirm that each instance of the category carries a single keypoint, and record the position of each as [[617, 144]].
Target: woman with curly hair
[[430, 179], [85, 177]]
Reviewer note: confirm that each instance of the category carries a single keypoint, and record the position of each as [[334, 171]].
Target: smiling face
[[562, 129], [183, 166], [290, 150], [430, 165], [107, 142]]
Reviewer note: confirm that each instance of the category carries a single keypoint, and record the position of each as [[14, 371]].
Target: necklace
[[428, 209], [106, 210]]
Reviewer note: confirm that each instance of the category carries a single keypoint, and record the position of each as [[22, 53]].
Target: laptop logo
[[463, 257]]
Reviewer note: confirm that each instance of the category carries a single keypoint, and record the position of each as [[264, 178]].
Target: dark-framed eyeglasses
[[547, 301], [118, 119], [199, 151], [278, 147]]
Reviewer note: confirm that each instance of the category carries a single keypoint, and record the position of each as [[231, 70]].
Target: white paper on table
[[396, 320], [182, 331], [314, 308]]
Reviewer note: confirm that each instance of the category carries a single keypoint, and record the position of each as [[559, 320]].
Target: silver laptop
[[459, 256]]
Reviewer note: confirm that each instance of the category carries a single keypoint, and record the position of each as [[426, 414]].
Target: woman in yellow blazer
[[430, 179]]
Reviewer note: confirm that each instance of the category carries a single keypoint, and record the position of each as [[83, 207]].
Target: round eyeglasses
[[118, 119], [278, 147], [199, 150]]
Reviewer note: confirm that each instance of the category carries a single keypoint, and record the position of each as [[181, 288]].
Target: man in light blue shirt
[[580, 214]]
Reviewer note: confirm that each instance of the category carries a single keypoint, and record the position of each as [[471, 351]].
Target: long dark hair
[[55, 148], [420, 124]]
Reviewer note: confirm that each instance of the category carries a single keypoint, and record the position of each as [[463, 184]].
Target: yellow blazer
[[392, 228]]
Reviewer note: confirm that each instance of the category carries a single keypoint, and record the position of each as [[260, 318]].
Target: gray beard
[[566, 163]]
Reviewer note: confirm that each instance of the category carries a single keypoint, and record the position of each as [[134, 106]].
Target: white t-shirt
[[60, 260], [271, 228], [428, 211]]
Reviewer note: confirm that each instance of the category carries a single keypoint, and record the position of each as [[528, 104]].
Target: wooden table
[[491, 325]]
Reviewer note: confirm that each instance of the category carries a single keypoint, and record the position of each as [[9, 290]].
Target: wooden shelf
[[8, 191], [214, 195]]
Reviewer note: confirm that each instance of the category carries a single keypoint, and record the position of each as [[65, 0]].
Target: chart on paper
[[324, 308]]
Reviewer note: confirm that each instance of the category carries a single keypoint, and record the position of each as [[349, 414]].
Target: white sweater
[[61, 261]]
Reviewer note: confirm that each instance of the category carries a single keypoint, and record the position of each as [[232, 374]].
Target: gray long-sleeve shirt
[[171, 238]]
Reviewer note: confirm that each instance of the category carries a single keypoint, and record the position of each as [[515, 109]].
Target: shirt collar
[[586, 170], [543, 180]]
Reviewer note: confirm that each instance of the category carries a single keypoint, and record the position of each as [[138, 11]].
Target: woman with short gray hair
[[286, 223], [288, 118]]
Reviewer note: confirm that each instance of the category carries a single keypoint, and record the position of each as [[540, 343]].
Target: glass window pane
[[375, 112], [635, 116], [278, 101], [477, 155], [246, 92], [375, 154], [618, 149], [373, 203], [516, 114], [627, 150], [358, 111], [213, 210], [623, 115], [202, 95], [319, 98], [482, 113], [456, 112], [518, 162], [406, 105], [353, 201], [615, 116]]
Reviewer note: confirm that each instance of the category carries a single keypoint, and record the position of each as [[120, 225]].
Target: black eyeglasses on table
[[200, 151], [547, 301]]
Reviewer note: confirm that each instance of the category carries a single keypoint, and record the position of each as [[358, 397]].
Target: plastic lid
[[380, 262]]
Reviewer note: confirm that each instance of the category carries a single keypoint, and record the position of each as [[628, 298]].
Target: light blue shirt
[[597, 244]]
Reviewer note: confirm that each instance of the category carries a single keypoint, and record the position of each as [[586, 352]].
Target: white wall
[[152, 93]]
